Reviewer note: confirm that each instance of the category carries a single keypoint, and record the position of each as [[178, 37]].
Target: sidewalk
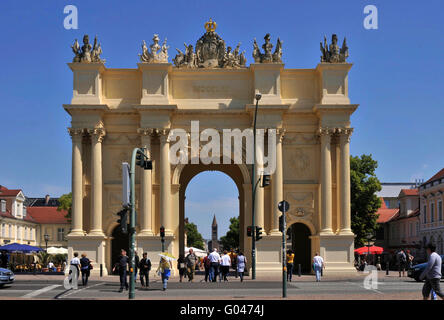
[[393, 276]]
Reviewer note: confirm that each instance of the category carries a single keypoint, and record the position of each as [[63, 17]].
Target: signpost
[[283, 207], [129, 201]]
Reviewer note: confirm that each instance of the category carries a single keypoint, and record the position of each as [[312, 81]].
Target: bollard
[[387, 268], [101, 270], [299, 270]]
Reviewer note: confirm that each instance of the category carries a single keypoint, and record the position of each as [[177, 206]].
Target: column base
[[96, 233], [337, 251], [145, 233], [76, 233], [275, 232], [326, 232], [93, 246]]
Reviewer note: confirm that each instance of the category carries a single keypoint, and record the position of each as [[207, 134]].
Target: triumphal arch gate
[[308, 111]]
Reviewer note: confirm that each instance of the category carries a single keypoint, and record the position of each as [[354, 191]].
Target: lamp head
[[258, 96]]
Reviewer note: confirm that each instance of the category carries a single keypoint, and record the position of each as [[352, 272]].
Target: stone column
[[326, 192], [345, 180], [165, 182], [77, 182], [146, 192], [259, 199], [277, 184], [97, 135]]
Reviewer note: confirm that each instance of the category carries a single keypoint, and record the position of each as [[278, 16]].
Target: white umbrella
[[54, 250]]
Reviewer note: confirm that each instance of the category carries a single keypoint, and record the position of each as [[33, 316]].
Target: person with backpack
[[207, 265], [144, 270], [181, 267], [402, 262], [85, 267]]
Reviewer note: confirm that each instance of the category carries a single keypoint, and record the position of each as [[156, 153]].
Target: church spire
[[214, 221]]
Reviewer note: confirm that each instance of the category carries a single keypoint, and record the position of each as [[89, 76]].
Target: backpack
[[207, 262]]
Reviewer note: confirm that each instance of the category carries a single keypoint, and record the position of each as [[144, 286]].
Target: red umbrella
[[371, 250]]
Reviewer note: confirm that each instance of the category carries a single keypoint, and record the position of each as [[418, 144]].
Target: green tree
[[364, 202], [65, 203], [194, 238], [231, 239]]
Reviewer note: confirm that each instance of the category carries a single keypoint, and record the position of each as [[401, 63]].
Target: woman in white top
[[318, 264], [241, 262], [225, 263]]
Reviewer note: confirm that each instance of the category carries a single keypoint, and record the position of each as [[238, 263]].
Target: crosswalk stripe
[[40, 291]]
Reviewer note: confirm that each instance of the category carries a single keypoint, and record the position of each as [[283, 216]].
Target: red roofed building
[[431, 194], [400, 226], [28, 225]]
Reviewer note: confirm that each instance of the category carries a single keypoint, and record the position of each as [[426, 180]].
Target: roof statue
[[268, 56], [210, 52], [332, 53], [157, 53], [87, 53]]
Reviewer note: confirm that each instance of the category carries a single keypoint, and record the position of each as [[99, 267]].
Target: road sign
[[126, 189], [283, 206]]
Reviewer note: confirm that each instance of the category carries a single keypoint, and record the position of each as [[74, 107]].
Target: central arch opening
[[208, 191]]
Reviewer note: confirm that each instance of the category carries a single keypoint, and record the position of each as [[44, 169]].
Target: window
[[3, 230], [432, 212], [425, 213], [387, 203], [60, 234], [10, 232], [3, 206], [26, 233], [440, 210]]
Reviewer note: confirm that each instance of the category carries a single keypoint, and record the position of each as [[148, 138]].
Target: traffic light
[[148, 165], [249, 231], [140, 160], [123, 221], [162, 232], [265, 180], [258, 233]]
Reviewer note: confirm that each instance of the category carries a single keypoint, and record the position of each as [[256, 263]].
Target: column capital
[[97, 134], [147, 131], [325, 131], [344, 133], [76, 133], [164, 135]]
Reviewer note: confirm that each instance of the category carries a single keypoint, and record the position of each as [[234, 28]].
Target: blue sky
[[397, 78]]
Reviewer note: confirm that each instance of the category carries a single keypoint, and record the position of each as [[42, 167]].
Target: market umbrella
[[167, 256], [369, 250], [17, 247], [55, 250]]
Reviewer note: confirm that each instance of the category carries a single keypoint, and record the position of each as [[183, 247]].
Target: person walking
[[164, 270], [181, 267], [233, 257], [145, 268], [225, 263], [207, 265], [290, 264], [75, 262], [241, 263], [410, 259], [85, 267], [191, 261], [432, 273], [214, 269], [318, 265], [122, 267], [402, 262], [136, 265]]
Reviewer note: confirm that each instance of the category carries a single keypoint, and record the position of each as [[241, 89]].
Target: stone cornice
[[74, 108], [320, 109]]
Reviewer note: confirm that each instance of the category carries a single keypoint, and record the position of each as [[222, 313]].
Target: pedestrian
[[136, 265], [164, 270], [207, 265], [410, 259], [191, 261], [432, 273], [241, 263], [181, 267], [214, 260], [318, 265], [85, 269], [76, 263], [51, 266], [402, 262], [145, 268], [122, 267], [233, 257], [225, 263], [290, 263]]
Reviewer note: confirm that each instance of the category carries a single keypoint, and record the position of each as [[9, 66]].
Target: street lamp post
[[46, 236], [369, 238], [258, 96]]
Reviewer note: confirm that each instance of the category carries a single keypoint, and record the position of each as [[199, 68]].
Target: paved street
[[51, 287]]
